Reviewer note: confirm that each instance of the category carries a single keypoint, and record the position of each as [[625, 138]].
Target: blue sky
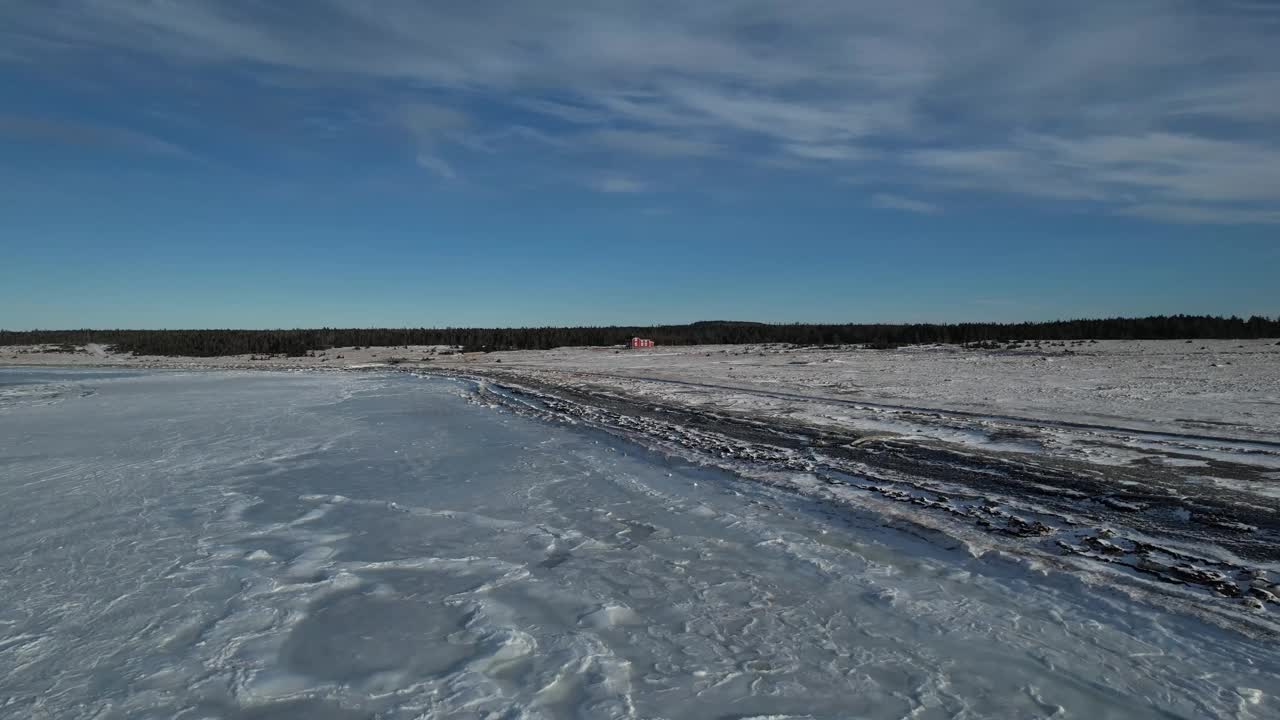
[[202, 163]]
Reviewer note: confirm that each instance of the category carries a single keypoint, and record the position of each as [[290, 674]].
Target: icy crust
[[262, 545], [1145, 542]]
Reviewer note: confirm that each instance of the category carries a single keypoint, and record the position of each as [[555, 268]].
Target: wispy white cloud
[[564, 111], [816, 151], [1174, 165], [887, 201], [1202, 215], [1155, 169], [651, 143], [1013, 170], [428, 126], [437, 165], [428, 122], [618, 184], [1107, 106]]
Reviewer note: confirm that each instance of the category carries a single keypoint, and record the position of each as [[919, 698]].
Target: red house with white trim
[[636, 342]]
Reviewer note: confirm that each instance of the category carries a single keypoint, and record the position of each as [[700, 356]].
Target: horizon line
[[1228, 318]]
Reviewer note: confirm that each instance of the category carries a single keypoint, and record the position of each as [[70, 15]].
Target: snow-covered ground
[[1136, 462], [1221, 388], [353, 545], [1106, 402], [1152, 465]]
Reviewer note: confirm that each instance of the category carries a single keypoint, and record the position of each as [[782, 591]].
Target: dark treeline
[[205, 343]]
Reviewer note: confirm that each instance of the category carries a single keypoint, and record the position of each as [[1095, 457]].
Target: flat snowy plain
[[230, 544]]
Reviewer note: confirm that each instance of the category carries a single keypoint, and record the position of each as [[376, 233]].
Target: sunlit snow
[[352, 545]]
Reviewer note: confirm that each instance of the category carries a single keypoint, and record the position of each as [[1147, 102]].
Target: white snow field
[[229, 544], [1108, 402]]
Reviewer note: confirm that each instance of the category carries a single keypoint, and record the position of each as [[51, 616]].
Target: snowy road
[[357, 545]]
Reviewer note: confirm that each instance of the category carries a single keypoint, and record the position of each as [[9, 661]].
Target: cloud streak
[[886, 201], [651, 143], [618, 184], [428, 126]]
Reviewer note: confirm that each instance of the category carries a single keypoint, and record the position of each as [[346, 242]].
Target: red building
[[636, 342]]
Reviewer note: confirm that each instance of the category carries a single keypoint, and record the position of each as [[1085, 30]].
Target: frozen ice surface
[[271, 545]]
